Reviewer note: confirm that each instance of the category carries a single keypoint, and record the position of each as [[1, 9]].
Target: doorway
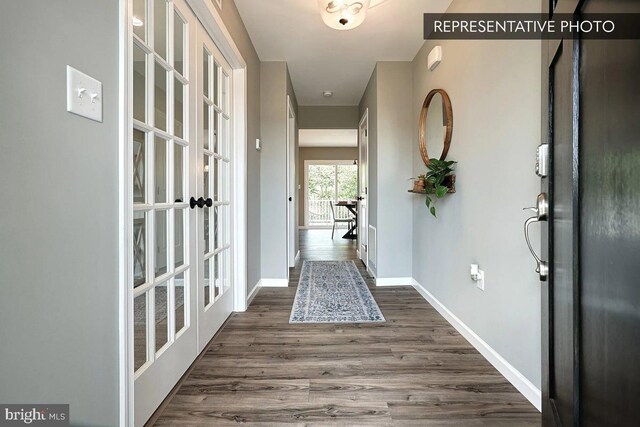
[[589, 209], [363, 186], [292, 199], [329, 184]]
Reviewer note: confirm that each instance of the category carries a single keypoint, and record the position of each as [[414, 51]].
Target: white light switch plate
[[84, 95]]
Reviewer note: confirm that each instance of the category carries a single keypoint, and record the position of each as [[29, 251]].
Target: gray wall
[[394, 155], [388, 98], [234, 24], [319, 153], [328, 117], [275, 85], [59, 218], [494, 88]]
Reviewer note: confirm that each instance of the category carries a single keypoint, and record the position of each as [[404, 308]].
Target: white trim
[[372, 260], [363, 120], [519, 381], [212, 22], [291, 191], [394, 281], [125, 235], [254, 292], [274, 283], [240, 116]]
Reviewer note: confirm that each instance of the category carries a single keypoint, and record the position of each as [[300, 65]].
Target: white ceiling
[[328, 138], [321, 58]]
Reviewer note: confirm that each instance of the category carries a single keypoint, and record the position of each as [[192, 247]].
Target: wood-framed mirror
[[436, 125]]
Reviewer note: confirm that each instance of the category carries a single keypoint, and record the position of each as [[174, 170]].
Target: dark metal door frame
[[551, 51]]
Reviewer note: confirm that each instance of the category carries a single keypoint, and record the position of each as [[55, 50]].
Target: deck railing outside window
[[320, 213]]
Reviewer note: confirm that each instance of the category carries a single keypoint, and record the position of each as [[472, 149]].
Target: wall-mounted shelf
[[450, 183]]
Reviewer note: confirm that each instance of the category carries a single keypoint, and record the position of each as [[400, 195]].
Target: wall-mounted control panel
[[84, 95], [542, 160]]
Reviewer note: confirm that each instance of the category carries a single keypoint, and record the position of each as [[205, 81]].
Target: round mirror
[[436, 126]]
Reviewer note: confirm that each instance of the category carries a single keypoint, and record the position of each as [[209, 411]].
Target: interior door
[[213, 203], [591, 300], [292, 200], [162, 152], [363, 183]]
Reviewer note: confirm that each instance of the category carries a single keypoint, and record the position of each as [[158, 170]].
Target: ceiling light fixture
[[343, 14], [137, 22], [327, 94]]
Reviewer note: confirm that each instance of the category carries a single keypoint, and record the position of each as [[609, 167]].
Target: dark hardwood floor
[[415, 369]]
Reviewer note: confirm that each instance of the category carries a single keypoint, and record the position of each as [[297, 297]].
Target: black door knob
[[199, 203], [290, 199], [208, 202], [360, 198]]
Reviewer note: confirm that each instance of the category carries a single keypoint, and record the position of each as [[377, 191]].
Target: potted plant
[[439, 181], [419, 183]]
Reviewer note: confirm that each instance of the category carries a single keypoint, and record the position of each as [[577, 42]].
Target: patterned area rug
[[333, 292]]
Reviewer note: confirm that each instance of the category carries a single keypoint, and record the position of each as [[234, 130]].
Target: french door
[[215, 302], [180, 184]]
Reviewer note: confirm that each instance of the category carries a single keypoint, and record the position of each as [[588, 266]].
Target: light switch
[[84, 95]]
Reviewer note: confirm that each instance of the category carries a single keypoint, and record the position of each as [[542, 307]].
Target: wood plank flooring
[[415, 369]]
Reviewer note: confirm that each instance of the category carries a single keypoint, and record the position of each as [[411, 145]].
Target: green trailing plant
[[437, 181]]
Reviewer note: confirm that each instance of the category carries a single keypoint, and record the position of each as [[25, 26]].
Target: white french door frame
[[364, 123], [292, 199], [209, 17]]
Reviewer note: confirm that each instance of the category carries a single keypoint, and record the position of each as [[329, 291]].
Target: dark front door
[[591, 299]]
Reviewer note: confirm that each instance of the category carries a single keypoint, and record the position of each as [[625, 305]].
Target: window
[[325, 182]]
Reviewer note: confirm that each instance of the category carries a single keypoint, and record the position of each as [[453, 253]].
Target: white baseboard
[[394, 281], [274, 283], [254, 292], [519, 381]]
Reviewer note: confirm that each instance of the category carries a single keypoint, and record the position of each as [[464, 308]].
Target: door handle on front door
[[542, 214]]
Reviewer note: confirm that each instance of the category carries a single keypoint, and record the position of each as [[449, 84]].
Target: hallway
[[415, 369]]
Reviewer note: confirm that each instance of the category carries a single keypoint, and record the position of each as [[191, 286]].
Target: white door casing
[[363, 187], [292, 199]]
